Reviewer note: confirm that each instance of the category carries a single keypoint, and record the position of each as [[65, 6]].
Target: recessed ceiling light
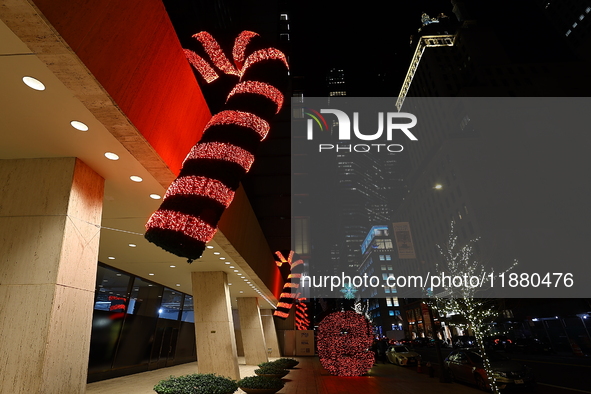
[[229, 284], [155, 196], [33, 83], [216, 252], [111, 156], [111, 258], [236, 271], [209, 247], [230, 266], [246, 280], [132, 245], [178, 284], [241, 291], [79, 125], [172, 266], [227, 262], [118, 274], [151, 274], [222, 258], [136, 178]]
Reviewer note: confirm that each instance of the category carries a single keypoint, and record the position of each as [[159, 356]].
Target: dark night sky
[[364, 39]]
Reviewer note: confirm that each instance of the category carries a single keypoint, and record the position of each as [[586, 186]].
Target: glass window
[[383, 267], [187, 314], [388, 302], [395, 301], [391, 313], [171, 304], [111, 289], [145, 298]]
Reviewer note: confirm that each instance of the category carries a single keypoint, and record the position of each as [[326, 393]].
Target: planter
[[258, 391], [287, 363], [260, 384], [274, 375]]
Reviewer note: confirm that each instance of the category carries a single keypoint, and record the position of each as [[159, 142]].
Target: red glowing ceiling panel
[[132, 49]]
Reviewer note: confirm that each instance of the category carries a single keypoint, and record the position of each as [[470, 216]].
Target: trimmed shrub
[[261, 382], [198, 383]]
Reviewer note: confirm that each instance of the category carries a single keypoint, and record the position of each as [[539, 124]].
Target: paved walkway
[[307, 378]]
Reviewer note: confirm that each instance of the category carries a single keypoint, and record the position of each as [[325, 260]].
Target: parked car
[[499, 342], [464, 341], [532, 346], [422, 342], [400, 355], [466, 365]]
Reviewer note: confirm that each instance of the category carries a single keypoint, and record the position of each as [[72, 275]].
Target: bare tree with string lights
[[459, 260]]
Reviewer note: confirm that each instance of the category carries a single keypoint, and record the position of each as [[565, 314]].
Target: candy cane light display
[[193, 204], [343, 342], [290, 293]]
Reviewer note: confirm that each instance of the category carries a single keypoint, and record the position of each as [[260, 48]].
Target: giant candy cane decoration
[[291, 291], [193, 204]]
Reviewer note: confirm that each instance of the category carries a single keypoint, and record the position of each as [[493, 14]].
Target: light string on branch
[[193, 204], [478, 312]]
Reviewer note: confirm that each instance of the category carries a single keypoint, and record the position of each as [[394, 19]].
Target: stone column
[[214, 328], [270, 333], [49, 209], [251, 326]]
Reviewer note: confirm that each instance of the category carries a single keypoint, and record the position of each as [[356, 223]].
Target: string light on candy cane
[[193, 204], [290, 289], [302, 320]]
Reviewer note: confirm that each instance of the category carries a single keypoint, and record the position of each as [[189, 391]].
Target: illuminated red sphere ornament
[[192, 207], [344, 339]]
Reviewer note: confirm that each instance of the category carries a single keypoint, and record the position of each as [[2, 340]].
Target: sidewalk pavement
[[307, 378], [310, 378]]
